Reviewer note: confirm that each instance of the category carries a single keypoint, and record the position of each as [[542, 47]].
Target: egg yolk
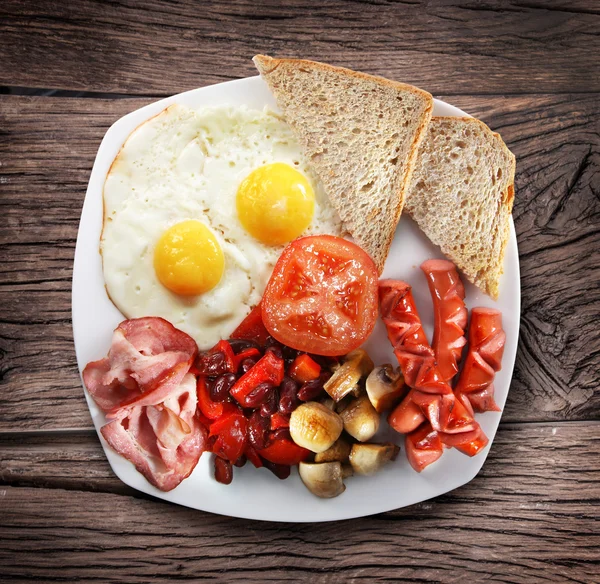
[[188, 259], [275, 203]]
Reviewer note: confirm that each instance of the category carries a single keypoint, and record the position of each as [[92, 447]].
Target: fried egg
[[198, 206]]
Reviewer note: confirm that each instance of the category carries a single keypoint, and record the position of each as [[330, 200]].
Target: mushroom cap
[[315, 427], [385, 386], [361, 420], [367, 459], [322, 479]]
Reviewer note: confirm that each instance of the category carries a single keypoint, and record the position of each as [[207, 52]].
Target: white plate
[[257, 494]]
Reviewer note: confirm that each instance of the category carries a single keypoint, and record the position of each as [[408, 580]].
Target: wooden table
[[530, 70]]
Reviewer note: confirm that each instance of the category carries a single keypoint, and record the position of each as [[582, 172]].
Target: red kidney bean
[[289, 354], [288, 398], [211, 442], [270, 405], [281, 471], [258, 395], [241, 461], [311, 389], [276, 350], [239, 345], [219, 388], [326, 363], [258, 428], [247, 364], [272, 342], [212, 364], [280, 434], [223, 471]]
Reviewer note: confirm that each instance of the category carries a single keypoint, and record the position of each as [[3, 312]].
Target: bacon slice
[[163, 441], [431, 405], [147, 360], [450, 315], [144, 387], [484, 359]]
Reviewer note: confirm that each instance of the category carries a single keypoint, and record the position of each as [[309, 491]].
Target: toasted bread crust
[[373, 226], [466, 170]]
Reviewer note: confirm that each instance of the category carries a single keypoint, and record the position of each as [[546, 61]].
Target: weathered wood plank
[[154, 48], [531, 515], [57, 460], [47, 147]]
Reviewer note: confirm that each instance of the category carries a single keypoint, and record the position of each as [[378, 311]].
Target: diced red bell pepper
[[231, 431], [304, 369], [423, 447], [253, 457], [252, 328], [206, 422], [279, 420], [249, 353], [283, 451], [208, 408], [269, 368]]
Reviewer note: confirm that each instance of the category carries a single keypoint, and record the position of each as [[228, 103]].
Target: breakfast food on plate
[[461, 196], [385, 386], [315, 427], [367, 459], [147, 359], [322, 296], [344, 380], [430, 409], [149, 396], [197, 208], [245, 399], [450, 315], [266, 403], [475, 387], [360, 134], [226, 222]]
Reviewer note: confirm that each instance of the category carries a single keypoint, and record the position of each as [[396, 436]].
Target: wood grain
[[47, 147], [504, 526], [527, 68], [158, 48]]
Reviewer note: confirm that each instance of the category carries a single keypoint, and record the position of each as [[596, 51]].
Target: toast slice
[[360, 134], [461, 196]]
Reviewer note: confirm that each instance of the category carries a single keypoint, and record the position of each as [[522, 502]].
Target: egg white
[[187, 164]]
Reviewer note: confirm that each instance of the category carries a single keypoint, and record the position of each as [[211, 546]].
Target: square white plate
[[257, 494]]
